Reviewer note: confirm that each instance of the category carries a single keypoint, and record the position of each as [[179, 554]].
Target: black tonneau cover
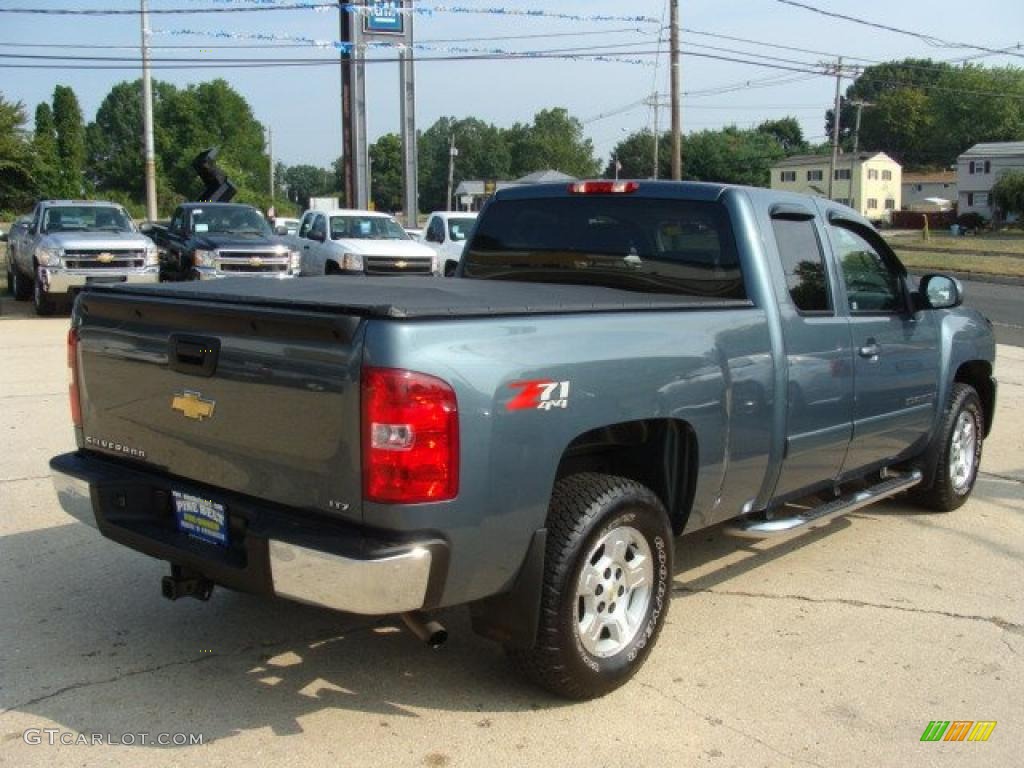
[[419, 297]]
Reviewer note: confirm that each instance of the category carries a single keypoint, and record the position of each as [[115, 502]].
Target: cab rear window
[[632, 243]]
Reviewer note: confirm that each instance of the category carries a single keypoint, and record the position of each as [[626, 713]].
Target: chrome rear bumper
[[395, 583]]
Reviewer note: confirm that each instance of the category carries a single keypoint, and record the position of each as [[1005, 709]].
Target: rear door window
[[641, 244], [803, 263]]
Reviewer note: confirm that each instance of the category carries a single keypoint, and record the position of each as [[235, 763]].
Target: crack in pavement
[[997, 476], [114, 679], [716, 721], [1003, 624], [5, 480], [318, 638]]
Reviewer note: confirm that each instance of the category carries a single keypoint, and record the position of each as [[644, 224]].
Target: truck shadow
[[97, 650]]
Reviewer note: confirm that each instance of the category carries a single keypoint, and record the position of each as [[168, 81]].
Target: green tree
[[925, 113], [787, 132], [17, 183], [553, 140], [636, 154], [306, 181], [44, 145], [1008, 193], [70, 134], [386, 172], [731, 156]]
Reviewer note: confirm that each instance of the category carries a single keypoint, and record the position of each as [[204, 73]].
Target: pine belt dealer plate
[[201, 518]]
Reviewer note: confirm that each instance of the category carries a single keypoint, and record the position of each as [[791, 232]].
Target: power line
[[937, 42], [167, 11]]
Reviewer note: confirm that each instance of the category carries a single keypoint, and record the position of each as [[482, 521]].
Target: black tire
[[44, 305], [946, 493], [17, 284], [585, 508]]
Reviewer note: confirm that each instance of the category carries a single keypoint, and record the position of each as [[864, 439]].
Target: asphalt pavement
[[832, 649], [1003, 304]]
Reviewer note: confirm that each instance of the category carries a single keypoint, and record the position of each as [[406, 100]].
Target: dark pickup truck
[[614, 364], [215, 240]]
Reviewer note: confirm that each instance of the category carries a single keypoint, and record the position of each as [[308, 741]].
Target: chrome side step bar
[[819, 516]]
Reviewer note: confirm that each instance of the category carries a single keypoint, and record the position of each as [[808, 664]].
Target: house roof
[[996, 149], [801, 160], [545, 176], [937, 177]]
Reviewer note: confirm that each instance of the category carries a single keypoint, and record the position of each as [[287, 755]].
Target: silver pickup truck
[[73, 243]]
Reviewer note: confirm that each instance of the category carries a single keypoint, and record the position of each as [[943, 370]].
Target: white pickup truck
[[360, 242], [446, 232]]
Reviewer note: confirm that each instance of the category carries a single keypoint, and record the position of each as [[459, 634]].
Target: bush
[[971, 220], [1008, 192]]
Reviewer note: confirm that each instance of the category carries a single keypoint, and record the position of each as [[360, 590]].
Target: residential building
[[868, 182], [979, 168], [924, 188]]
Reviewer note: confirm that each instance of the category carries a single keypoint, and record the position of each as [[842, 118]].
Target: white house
[[980, 167], [920, 188], [868, 181]]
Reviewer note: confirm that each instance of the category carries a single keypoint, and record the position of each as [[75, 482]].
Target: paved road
[[835, 649], [1003, 305]]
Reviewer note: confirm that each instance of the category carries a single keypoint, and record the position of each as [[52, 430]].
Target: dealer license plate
[[201, 518]]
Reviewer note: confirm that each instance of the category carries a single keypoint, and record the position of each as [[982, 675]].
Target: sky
[[302, 104]]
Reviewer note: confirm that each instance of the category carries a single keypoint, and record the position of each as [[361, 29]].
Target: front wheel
[[958, 447], [41, 300], [607, 577], [19, 287]]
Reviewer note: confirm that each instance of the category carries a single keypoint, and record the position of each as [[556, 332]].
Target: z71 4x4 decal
[[540, 394]]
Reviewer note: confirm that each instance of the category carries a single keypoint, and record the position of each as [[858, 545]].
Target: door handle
[[870, 350], [305, 247]]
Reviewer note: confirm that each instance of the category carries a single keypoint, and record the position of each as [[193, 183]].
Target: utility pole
[[835, 129], [677, 129], [407, 115], [270, 151], [149, 155], [856, 131], [453, 152], [654, 103]]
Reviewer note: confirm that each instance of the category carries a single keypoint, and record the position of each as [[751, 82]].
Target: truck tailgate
[[262, 401]]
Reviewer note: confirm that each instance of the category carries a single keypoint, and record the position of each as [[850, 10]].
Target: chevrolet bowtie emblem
[[255, 261], [193, 406], [105, 258], [401, 264]]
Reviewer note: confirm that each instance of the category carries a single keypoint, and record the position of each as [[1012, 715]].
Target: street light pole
[[147, 119]]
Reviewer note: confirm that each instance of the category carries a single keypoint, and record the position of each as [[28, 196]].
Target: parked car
[[619, 363], [69, 244], [360, 242], [213, 240], [283, 226], [446, 232]]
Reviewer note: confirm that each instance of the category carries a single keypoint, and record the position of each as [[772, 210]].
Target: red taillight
[[603, 187], [410, 437], [76, 402]]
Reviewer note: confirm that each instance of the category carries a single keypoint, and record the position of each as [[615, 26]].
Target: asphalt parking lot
[[834, 649]]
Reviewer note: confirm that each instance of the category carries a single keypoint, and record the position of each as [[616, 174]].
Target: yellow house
[[868, 182]]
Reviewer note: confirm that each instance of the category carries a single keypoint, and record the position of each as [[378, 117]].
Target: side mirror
[[318, 236], [281, 229], [146, 227], [941, 292], [3, 236]]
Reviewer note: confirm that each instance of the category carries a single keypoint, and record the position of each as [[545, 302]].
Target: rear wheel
[[956, 448], [607, 575]]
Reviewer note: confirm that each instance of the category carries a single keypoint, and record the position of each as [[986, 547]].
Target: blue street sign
[[384, 18]]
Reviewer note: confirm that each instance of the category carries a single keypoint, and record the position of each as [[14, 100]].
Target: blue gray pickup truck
[[615, 364]]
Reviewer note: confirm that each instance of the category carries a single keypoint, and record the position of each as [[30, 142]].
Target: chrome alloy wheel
[[614, 591], [962, 452]]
